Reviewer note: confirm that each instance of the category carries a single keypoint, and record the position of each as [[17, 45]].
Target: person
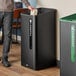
[[6, 17]]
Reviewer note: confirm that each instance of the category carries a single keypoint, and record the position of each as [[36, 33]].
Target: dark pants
[[6, 21]]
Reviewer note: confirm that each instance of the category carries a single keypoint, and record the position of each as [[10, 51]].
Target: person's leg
[[7, 25]]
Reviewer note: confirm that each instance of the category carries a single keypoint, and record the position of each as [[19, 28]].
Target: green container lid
[[70, 18]]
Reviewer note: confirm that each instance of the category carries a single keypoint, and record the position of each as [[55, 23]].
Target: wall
[[32, 2], [64, 8]]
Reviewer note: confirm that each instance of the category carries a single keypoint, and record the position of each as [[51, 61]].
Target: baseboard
[[14, 37], [58, 63], [18, 38], [0, 35]]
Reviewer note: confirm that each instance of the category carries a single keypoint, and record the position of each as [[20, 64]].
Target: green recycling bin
[[68, 45]]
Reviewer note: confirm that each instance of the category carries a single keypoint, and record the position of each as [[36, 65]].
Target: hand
[[30, 8]]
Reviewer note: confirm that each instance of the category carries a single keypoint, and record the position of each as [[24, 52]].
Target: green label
[[73, 57]]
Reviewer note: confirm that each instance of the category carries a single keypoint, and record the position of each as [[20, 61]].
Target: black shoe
[[5, 62]]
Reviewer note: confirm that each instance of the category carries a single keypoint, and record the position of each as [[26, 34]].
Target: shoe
[[5, 62]]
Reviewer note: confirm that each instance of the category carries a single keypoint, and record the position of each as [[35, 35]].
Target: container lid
[[70, 18]]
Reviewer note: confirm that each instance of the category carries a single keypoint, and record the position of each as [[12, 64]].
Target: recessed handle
[[30, 33]]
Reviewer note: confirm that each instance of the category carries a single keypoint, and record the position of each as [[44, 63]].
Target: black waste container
[[38, 40], [68, 45]]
